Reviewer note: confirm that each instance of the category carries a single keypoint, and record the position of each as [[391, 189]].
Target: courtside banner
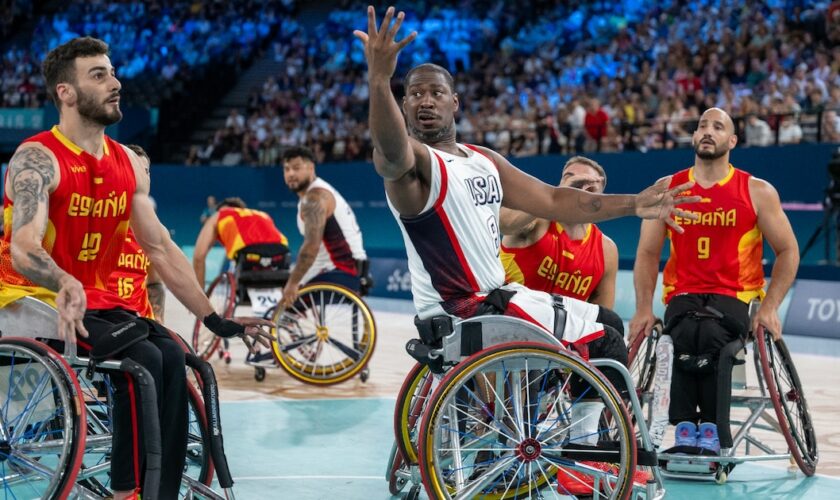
[[390, 278], [814, 309]]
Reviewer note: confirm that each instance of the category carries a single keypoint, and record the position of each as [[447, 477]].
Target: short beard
[[96, 113], [713, 155], [433, 136], [301, 188]]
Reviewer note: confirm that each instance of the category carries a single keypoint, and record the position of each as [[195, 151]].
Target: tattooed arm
[[157, 293], [33, 175], [317, 206]]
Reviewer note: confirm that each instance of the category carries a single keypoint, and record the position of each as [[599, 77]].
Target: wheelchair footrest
[[691, 463]]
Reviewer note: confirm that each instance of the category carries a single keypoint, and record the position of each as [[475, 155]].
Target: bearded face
[[100, 111]]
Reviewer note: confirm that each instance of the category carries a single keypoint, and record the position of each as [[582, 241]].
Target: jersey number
[[703, 247], [125, 287], [90, 246]]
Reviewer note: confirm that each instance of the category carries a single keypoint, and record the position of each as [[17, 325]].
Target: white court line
[[263, 478]]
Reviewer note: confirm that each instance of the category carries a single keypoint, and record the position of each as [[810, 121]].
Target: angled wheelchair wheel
[[641, 359], [786, 393], [42, 421], [327, 336], [411, 401], [500, 425], [222, 294], [198, 465]]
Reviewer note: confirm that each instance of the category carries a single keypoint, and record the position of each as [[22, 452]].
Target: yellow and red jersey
[[557, 263], [87, 221], [127, 284], [241, 227], [721, 252]]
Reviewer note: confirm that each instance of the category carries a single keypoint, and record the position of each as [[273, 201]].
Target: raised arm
[[317, 206], [402, 161], [33, 175], [775, 226], [203, 244], [514, 222], [645, 274]]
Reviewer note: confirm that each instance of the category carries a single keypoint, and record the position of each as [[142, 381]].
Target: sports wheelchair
[[488, 412], [776, 385], [327, 336], [55, 416]]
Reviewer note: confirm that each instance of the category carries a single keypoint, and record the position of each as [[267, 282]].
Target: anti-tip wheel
[[364, 375], [721, 476], [259, 373]]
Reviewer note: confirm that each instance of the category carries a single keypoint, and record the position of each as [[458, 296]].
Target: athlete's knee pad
[[609, 317]]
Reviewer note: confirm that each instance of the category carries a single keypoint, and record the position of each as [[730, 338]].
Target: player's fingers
[[386, 21], [676, 227], [682, 200], [686, 214], [392, 33], [371, 14], [682, 187], [361, 35], [80, 329], [405, 41], [248, 344]]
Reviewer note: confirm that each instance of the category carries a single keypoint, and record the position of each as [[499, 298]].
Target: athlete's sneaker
[[708, 439], [570, 482], [686, 434]]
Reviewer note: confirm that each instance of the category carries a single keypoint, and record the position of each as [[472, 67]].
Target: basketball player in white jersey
[[446, 198], [332, 241]]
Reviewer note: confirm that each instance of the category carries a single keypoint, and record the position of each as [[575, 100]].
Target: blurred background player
[[715, 268], [575, 260], [332, 241], [250, 238]]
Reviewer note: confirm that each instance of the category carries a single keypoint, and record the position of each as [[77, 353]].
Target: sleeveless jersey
[[341, 245], [558, 264], [127, 284], [240, 227], [87, 220], [453, 244], [721, 252]]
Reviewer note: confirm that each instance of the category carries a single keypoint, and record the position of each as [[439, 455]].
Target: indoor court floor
[[286, 439]]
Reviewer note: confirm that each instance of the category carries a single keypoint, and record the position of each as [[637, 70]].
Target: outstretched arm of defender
[[203, 243], [33, 175]]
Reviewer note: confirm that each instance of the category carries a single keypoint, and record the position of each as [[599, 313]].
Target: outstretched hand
[[659, 202], [381, 47], [71, 303], [254, 332]]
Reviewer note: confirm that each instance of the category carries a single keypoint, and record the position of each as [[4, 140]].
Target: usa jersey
[[87, 220], [721, 252], [453, 249], [341, 245], [558, 264]]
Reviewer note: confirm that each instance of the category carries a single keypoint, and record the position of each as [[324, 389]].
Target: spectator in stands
[[757, 132], [789, 130]]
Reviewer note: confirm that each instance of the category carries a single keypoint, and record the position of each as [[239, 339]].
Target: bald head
[[715, 135], [719, 115]]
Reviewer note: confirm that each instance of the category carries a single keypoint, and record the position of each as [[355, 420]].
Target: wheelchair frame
[[765, 354], [495, 335], [34, 321]]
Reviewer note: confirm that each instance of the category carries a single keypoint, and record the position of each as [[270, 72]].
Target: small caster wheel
[[259, 374], [413, 493], [227, 357], [721, 476], [364, 374]]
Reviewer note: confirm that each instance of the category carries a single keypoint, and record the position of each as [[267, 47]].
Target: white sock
[[585, 418]]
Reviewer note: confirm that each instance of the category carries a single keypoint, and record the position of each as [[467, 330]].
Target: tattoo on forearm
[[593, 205], [41, 269], [31, 172], [157, 297]]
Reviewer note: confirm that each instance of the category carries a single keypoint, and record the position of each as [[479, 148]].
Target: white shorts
[[538, 308]]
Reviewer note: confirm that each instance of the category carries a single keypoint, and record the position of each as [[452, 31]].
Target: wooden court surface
[[820, 376]]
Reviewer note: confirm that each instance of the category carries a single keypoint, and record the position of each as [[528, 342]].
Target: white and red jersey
[[453, 249], [341, 245]]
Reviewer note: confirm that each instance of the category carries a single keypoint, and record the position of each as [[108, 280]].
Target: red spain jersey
[[240, 227], [557, 263], [87, 220], [721, 252], [127, 284]]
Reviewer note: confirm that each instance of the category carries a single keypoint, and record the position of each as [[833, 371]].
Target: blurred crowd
[[158, 40], [533, 76]]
